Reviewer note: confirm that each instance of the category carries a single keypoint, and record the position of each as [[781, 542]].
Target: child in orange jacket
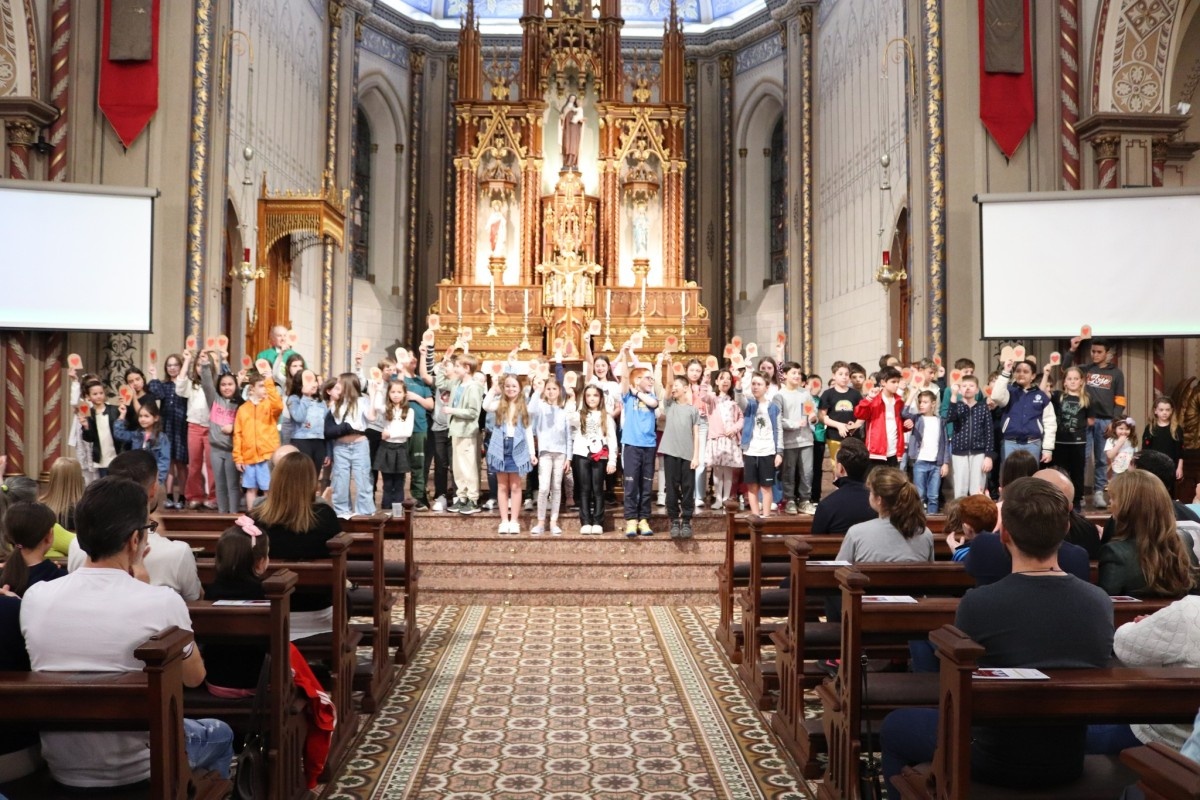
[[256, 435]]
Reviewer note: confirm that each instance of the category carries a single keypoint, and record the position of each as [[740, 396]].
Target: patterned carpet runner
[[567, 703]]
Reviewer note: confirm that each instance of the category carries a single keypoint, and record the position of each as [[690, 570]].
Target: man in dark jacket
[[850, 504]]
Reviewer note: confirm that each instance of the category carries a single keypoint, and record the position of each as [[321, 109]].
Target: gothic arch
[[1135, 49], [18, 49], [756, 122], [381, 105]]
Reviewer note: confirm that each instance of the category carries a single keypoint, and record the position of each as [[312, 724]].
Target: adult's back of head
[[1018, 464], [138, 466], [1035, 517], [1143, 512], [897, 498], [111, 510], [853, 458], [1056, 478], [1159, 465], [289, 504]]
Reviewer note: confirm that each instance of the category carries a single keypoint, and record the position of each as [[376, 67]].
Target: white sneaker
[[661, 502], [527, 505], [808, 507], [503, 529], [490, 505], [1098, 500], [555, 530], [718, 505], [514, 527], [439, 504], [536, 530]]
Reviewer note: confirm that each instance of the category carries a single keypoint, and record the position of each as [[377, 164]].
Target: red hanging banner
[[128, 94], [1006, 105]]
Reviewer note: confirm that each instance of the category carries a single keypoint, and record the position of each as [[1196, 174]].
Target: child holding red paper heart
[[1106, 389], [594, 455], [886, 418], [1071, 406], [307, 410], [1029, 422], [700, 396], [350, 410], [256, 432], [223, 398], [391, 460], [189, 387], [972, 442], [174, 410], [510, 451], [797, 416], [148, 435], [724, 452], [552, 427], [97, 427]]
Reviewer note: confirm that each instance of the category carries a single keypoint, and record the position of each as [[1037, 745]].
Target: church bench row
[[284, 706], [337, 648], [1163, 773], [377, 582], [845, 697], [150, 700], [1083, 696]]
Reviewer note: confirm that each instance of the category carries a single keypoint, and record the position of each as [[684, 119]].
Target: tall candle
[[460, 301], [493, 291], [683, 304], [608, 302], [527, 302], [643, 293]]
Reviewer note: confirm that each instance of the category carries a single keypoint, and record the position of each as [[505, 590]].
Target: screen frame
[[103, 191]]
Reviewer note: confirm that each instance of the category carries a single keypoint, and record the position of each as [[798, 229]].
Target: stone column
[[60, 82], [334, 49], [1068, 91], [691, 261], [416, 95], [1107, 152], [804, 195], [198, 169], [448, 249], [351, 234], [725, 64], [935, 184]]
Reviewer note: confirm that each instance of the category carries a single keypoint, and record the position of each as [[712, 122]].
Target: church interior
[[539, 185]]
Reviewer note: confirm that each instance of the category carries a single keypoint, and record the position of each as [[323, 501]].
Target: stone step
[[446, 525], [571, 547], [453, 574], [575, 592]]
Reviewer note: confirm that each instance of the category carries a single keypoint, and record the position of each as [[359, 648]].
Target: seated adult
[[18, 749], [851, 503], [1038, 616], [1169, 637], [23, 489], [898, 532], [1146, 556], [1162, 467], [28, 536], [299, 526], [1016, 465], [168, 563], [93, 620], [988, 560]]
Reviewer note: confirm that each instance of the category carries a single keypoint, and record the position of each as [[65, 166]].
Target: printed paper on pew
[[1010, 674], [888, 598], [1123, 598], [831, 564], [241, 602]]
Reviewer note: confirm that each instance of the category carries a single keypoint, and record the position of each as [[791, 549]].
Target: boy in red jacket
[[886, 418]]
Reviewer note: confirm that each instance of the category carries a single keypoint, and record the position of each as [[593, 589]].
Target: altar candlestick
[[526, 302], [644, 292], [492, 296], [460, 302], [608, 302], [683, 304]]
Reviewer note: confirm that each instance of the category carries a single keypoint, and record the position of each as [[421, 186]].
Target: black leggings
[[437, 452], [589, 484], [1073, 458], [314, 449]]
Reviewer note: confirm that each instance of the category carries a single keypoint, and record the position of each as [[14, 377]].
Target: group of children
[[761, 433]]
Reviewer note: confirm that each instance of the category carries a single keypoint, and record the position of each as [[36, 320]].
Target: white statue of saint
[[570, 131], [497, 229], [641, 229]]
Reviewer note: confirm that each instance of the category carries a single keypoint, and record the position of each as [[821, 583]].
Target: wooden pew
[[339, 647], [105, 701], [365, 564], [285, 707], [1163, 773], [798, 641], [760, 601], [403, 576], [733, 575], [1083, 696], [865, 624]]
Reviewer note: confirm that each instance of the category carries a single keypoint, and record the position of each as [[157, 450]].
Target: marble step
[[574, 592], [572, 547], [446, 525], [453, 569]]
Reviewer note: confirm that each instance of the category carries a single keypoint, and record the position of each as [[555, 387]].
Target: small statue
[[570, 131], [497, 228], [641, 229]]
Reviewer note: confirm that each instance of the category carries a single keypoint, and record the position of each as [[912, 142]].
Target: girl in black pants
[[1070, 447], [593, 456]]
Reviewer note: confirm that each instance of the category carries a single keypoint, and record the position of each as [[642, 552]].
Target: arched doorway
[[899, 295], [272, 296]]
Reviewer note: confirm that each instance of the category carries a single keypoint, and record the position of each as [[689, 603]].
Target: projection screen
[[75, 257], [1126, 262]]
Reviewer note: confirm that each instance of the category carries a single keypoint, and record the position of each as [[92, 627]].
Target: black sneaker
[[685, 530], [675, 529], [469, 508], [420, 506], [458, 506]]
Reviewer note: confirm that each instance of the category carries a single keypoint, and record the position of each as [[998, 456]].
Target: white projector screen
[[1126, 262], [75, 257]]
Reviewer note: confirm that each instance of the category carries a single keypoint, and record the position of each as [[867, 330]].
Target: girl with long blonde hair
[[510, 452], [63, 490]]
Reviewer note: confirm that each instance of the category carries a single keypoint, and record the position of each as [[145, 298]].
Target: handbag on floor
[[870, 771], [250, 766]]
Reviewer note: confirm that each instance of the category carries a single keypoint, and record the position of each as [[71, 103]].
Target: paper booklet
[[1010, 674], [888, 598], [241, 602], [831, 563], [1123, 598]]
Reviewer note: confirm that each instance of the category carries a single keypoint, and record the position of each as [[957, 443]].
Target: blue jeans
[[1097, 439], [927, 477], [1033, 448], [907, 736], [352, 459], [209, 745], [1108, 740]]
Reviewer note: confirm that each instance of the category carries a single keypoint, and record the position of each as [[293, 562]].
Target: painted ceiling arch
[[641, 16]]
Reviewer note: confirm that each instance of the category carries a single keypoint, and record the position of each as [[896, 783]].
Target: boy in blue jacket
[[972, 444]]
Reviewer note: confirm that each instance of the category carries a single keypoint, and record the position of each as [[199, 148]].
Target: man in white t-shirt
[[93, 620], [168, 563]]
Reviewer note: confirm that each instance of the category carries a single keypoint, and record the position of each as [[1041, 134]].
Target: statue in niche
[[497, 229], [570, 132], [641, 229]]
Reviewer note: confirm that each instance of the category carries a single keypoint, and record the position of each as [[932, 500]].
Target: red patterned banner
[[1006, 105], [129, 89]]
